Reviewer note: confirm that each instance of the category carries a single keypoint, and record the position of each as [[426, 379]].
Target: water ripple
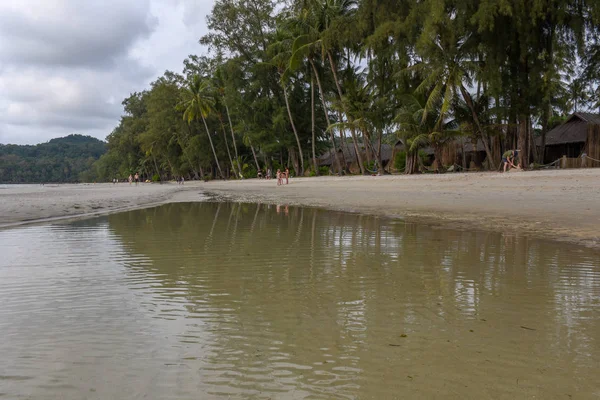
[[241, 301]]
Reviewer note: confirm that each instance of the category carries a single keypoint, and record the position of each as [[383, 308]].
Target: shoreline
[[554, 204]]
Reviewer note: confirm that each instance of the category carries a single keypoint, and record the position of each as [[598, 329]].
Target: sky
[[66, 65]]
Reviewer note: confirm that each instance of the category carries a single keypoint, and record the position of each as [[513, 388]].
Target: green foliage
[[400, 161], [62, 160], [156, 178], [281, 77]]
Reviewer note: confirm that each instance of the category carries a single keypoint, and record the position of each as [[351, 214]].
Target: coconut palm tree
[[281, 52], [315, 22], [197, 103], [420, 127], [446, 68], [219, 82]]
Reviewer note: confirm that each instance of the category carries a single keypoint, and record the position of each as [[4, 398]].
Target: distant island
[[61, 160]]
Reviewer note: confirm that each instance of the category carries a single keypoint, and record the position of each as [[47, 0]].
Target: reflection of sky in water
[[258, 302]]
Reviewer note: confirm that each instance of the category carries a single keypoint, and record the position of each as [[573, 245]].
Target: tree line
[[284, 81], [62, 160]]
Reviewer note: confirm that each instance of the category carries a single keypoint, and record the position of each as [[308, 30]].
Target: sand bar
[[559, 204], [21, 204]]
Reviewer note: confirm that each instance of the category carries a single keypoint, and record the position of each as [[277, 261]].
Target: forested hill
[[59, 160]]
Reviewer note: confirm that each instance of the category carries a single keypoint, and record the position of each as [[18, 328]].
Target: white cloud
[[67, 64]]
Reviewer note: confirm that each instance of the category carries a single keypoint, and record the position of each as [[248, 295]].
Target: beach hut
[[348, 153], [577, 135]]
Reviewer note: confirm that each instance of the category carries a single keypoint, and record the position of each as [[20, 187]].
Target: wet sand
[[558, 204]]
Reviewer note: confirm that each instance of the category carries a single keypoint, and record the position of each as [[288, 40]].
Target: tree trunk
[[287, 104], [367, 148], [523, 141], [312, 124], [237, 157], [412, 162], [339, 89], [359, 159], [343, 142], [492, 163], [380, 170], [294, 158], [337, 159], [545, 128], [255, 159], [212, 146], [437, 151], [156, 167], [228, 152]]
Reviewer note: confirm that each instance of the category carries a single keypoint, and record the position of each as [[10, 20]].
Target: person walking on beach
[[137, 179], [279, 179], [130, 179], [287, 176], [269, 173]]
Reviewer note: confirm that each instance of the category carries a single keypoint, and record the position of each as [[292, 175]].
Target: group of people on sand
[[281, 175], [135, 178], [508, 159]]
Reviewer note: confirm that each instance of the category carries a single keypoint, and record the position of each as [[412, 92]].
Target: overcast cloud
[[66, 65]]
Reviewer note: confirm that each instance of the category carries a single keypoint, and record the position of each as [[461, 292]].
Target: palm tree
[[198, 103], [305, 47], [281, 51], [219, 80], [446, 69], [316, 19], [419, 127]]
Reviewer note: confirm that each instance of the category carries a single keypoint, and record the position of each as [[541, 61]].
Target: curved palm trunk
[[212, 146], [187, 156], [255, 159], [287, 104], [486, 144], [339, 90], [359, 159], [235, 172], [312, 123], [237, 157], [337, 159]]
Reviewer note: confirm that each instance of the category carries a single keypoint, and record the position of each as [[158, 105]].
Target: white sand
[[562, 204], [35, 203]]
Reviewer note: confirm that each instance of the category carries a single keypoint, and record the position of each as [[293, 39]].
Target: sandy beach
[[21, 204], [558, 204]]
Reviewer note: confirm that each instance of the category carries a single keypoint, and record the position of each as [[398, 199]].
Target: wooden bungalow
[[347, 153], [579, 134], [462, 152]]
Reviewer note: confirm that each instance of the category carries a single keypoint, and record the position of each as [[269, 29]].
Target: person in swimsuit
[[137, 179], [287, 176], [279, 177]]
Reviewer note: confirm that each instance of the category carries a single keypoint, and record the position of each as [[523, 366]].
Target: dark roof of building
[[590, 118], [573, 130]]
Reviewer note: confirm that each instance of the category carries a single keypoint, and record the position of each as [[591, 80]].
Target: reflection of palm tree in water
[[272, 306]]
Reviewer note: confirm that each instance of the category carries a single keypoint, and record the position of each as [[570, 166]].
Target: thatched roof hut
[[349, 152], [570, 138]]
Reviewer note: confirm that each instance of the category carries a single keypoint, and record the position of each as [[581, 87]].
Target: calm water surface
[[218, 300]]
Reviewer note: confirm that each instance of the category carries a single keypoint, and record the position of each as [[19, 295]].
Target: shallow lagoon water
[[229, 300]]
